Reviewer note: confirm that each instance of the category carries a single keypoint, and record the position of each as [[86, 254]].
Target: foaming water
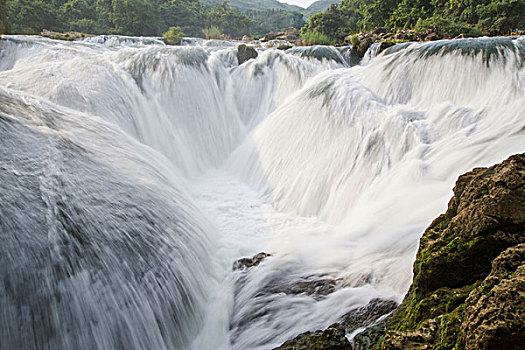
[[134, 174]]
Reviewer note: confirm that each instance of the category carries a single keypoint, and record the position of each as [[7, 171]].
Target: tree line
[[155, 17], [474, 18], [139, 17]]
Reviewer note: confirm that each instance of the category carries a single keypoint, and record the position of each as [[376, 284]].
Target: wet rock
[[369, 317], [312, 286], [246, 263], [369, 337], [245, 53], [246, 39], [332, 338], [385, 45], [360, 44], [468, 286], [284, 47]]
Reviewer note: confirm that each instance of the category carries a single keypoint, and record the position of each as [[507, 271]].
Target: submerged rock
[[469, 285], [312, 286], [367, 322], [246, 263], [245, 53]]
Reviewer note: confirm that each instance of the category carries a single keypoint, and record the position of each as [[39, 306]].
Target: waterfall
[[133, 175]]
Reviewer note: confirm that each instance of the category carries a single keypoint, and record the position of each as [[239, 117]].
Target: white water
[[133, 175]]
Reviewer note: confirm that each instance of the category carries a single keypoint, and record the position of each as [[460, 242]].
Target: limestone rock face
[[495, 316], [468, 289]]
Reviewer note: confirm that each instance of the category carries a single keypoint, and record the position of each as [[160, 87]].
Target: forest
[[140, 17], [195, 18], [473, 18]]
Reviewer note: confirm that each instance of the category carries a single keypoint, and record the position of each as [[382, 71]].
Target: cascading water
[[133, 175]]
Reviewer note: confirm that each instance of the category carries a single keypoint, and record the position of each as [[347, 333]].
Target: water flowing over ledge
[[134, 174]]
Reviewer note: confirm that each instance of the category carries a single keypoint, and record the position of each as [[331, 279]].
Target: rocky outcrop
[[468, 289], [495, 315], [245, 53]]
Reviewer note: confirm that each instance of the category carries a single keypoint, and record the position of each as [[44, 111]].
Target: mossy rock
[[332, 338], [458, 274]]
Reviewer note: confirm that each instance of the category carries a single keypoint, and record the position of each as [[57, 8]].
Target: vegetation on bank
[[139, 17], [206, 19], [455, 17]]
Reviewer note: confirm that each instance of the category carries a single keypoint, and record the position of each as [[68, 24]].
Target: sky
[[302, 3]]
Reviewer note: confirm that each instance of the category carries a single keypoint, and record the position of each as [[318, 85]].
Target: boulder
[[246, 39], [245, 53]]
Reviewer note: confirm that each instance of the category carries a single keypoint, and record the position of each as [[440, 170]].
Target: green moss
[[451, 335], [173, 36], [354, 40]]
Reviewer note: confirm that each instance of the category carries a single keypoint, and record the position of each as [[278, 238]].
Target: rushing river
[[133, 175]]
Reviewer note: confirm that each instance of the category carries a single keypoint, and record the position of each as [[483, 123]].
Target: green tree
[[336, 22], [104, 8], [4, 17], [31, 16], [268, 20], [502, 17], [134, 17], [79, 15], [173, 36], [231, 22], [186, 14]]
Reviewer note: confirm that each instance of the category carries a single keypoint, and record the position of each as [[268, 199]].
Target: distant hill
[[245, 5], [319, 6]]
